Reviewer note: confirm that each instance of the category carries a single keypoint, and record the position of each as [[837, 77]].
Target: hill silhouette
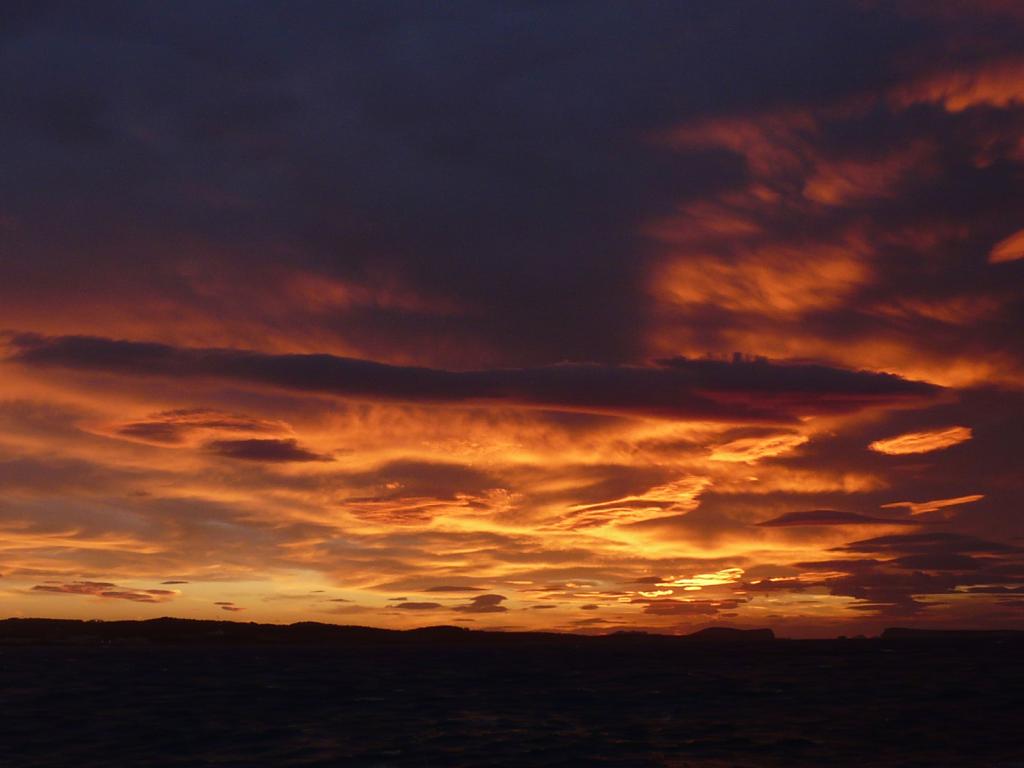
[[906, 633], [175, 631]]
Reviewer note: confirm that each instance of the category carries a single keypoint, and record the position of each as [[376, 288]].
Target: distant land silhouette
[[197, 631], [177, 631]]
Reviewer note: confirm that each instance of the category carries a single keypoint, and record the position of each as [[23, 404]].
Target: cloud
[[996, 590], [922, 442], [174, 426], [679, 388], [765, 282], [107, 590], [911, 573], [407, 492], [264, 450], [452, 588], [155, 432], [671, 498], [829, 517], [1008, 249], [938, 562], [928, 543], [701, 580], [751, 449], [483, 604], [796, 262], [576, 175], [994, 84], [923, 507], [680, 607], [414, 606]]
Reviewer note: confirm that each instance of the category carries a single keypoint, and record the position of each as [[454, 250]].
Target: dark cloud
[[830, 517], [406, 492], [410, 479], [484, 604], [264, 450], [938, 562], [996, 590], [670, 607], [357, 137], [157, 432], [174, 426], [739, 390], [910, 567], [107, 590], [928, 543], [853, 564], [418, 606]]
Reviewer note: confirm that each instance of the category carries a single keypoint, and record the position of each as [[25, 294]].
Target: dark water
[[783, 704]]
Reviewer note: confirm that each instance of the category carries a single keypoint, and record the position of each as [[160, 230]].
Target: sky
[[576, 316]]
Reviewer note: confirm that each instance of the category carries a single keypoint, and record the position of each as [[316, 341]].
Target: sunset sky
[[580, 316]]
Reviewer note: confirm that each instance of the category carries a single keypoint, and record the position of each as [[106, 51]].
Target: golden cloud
[[922, 442]]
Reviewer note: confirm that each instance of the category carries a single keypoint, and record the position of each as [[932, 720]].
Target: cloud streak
[[740, 390], [107, 590], [922, 442], [264, 450], [829, 517]]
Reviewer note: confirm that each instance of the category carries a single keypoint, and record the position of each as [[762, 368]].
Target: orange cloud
[[750, 449], [1008, 249], [922, 442], [700, 581], [845, 181], [661, 501], [820, 225], [999, 84], [788, 280], [922, 507]]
